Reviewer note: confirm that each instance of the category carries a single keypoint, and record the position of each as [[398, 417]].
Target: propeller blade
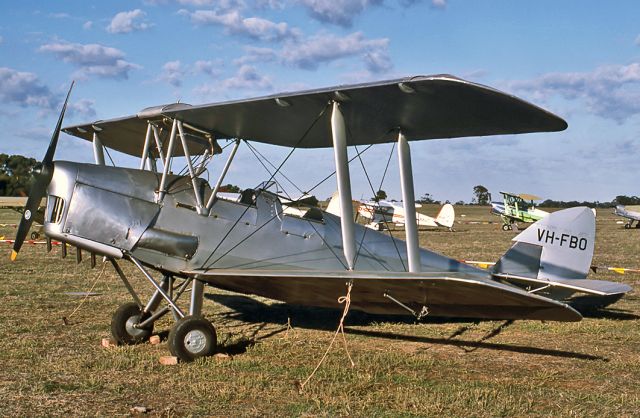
[[39, 187], [48, 157], [36, 194]]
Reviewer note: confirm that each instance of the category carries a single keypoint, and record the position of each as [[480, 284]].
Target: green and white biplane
[[516, 208]]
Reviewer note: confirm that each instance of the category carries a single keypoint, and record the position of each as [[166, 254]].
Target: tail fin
[[446, 216], [559, 246], [334, 204], [556, 252]]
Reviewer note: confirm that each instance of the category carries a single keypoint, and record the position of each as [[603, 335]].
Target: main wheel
[[192, 337], [35, 235], [506, 227], [627, 226], [123, 325]]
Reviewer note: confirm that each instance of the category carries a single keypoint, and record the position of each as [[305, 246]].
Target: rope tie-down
[[347, 304]]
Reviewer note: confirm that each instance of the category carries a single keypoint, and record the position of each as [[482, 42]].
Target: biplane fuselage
[[113, 210]]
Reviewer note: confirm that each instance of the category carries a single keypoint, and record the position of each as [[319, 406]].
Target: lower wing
[[446, 294]]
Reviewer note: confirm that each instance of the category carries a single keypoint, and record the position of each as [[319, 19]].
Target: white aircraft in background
[[631, 213], [383, 212]]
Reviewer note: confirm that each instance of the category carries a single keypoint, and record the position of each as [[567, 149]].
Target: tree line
[[16, 178], [16, 174]]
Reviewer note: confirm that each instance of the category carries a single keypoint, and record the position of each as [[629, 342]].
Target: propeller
[[39, 188]]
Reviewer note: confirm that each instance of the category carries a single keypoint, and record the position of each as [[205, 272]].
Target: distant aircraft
[[517, 208], [180, 235], [630, 214], [382, 212], [18, 203]]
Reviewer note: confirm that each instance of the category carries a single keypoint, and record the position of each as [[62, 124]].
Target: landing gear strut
[[191, 337]]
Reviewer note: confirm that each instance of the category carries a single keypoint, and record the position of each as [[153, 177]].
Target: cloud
[[378, 61], [60, 15], [172, 73], [337, 12], [92, 59], [87, 25], [24, 89], [246, 78], [83, 107], [125, 22], [234, 23], [210, 68], [255, 54], [435, 4], [323, 48], [611, 91]]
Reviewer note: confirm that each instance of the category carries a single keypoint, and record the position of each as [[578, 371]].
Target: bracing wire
[[317, 118]]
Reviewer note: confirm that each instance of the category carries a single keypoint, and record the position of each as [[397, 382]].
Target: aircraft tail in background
[[446, 216]]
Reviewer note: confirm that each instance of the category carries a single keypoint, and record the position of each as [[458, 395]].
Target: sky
[[577, 58]]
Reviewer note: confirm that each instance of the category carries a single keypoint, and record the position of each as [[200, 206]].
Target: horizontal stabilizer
[[591, 287]]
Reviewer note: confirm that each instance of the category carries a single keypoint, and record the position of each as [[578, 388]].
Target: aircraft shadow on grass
[[249, 310]]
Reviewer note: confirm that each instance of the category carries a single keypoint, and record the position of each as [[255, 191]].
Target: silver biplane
[[179, 234], [631, 213]]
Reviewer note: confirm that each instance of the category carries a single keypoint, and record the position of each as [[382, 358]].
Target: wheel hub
[[195, 341], [131, 326]]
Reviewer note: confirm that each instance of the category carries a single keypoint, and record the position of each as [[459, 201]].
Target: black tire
[[122, 325], [627, 226], [192, 337], [506, 227], [35, 235]]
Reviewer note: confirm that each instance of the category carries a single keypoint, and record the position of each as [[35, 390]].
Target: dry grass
[[591, 368]]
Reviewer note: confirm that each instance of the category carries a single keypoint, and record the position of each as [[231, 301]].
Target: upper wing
[[526, 196], [424, 107], [442, 294]]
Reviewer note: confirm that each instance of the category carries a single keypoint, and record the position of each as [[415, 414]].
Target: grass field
[[435, 368]]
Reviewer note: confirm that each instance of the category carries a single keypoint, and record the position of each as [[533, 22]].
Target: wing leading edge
[[443, 294], [424, 107]]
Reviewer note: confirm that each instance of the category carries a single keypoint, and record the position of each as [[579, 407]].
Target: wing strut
[[165, 172], [408, 200], [212, 198], [338, 132], [98, 150], [145, 148]]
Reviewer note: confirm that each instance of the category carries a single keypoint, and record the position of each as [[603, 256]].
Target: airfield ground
[[436, 368]]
